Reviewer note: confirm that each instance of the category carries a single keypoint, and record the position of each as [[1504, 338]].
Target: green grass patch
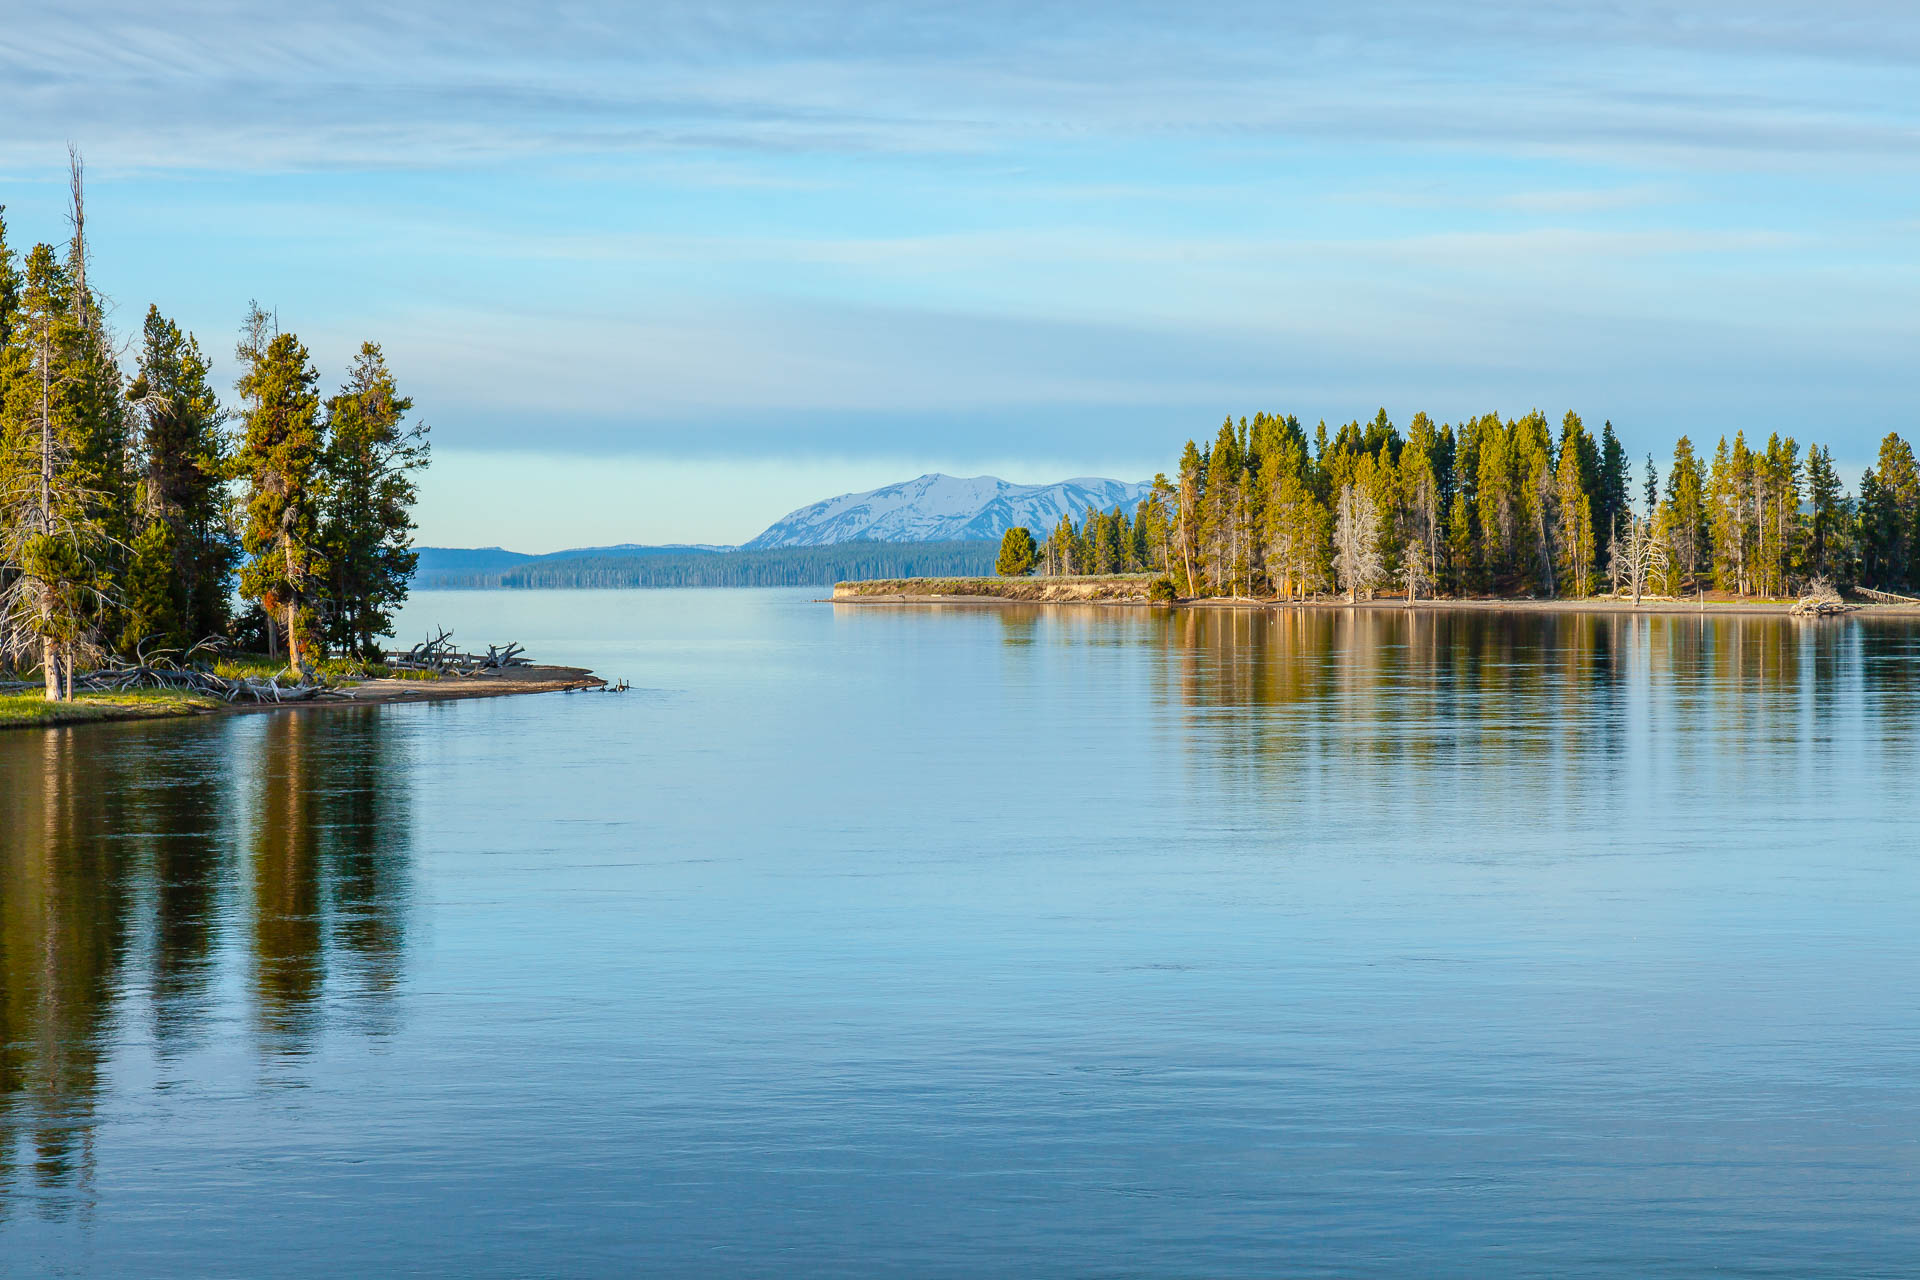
[[23, 710], [338, 670]]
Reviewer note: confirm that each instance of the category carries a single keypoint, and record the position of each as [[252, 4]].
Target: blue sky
[[662, 272]]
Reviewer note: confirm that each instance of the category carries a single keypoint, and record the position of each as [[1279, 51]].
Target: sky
[[663, 272]]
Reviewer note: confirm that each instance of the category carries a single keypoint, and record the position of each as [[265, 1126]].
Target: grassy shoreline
[[31, 710], [1131, 591]]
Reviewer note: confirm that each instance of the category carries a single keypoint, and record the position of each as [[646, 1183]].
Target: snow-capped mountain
[[937, 508]]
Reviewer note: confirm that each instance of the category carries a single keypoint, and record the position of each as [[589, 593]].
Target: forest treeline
[[133, 502], [1495, 506], [768, 567]]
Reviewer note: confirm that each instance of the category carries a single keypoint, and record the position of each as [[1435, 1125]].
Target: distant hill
[[938, 508], [935, 526], [448, 568], [439, 560]]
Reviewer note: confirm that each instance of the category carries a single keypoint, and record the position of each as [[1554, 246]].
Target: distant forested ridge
[[134, 504], [631, 567], [1503, 507]]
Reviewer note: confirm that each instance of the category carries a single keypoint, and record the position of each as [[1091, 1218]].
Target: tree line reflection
[[147, 870], [1265, 702]]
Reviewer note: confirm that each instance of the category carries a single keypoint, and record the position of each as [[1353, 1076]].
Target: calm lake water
[[909, 942]]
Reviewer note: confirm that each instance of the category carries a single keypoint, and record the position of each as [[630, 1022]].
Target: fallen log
[[1885, 597]]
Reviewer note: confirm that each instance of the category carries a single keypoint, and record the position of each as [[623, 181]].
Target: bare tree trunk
[[76, 181], [1546, 544], [49, 652], [293, 607]]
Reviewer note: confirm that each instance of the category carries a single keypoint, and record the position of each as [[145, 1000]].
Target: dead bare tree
[[1356, 543], [1414, 568]]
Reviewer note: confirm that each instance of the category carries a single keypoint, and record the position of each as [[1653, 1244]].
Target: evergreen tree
[[1186, 516], [1498, 482], [370, 460], [1828, 552], [1156, 522], [1060, 554], [1297, 532], [1461, 562], [9, 284], [280, 460], [1687, 517], [1779, 555], [1576, 502], [9, 302], [1876, 533], [1533, 454], [186, 466], [103, 440], [1611, 502], [156, 596], [1900, 490], [1018, 553], [50, 529]]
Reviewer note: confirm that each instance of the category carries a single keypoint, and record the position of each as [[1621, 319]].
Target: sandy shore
[[1131, 593], [485, 684]]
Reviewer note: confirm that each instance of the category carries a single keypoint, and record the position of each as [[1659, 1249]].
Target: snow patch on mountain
[[937, 508]]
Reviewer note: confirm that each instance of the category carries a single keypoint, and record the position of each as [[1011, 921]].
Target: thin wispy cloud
[[352, 85], [1000, 229]]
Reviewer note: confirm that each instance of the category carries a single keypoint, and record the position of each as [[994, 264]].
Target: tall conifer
[[184, 486], [371, 457], [279, 459]]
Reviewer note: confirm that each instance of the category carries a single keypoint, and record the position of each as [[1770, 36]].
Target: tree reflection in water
[[143, 867]]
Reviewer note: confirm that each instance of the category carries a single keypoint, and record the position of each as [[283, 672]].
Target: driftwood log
[[1820, 601], [437, 654], [1885, 597], [168, 669]]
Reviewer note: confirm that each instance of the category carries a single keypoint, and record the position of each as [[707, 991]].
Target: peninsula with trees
[[1490, 509], [166, 552]]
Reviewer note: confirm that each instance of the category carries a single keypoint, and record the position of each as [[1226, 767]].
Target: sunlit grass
[[32, 708], [256, 667]]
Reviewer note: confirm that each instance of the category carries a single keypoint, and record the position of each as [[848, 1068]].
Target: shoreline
[[1131, 594], [379, 691]]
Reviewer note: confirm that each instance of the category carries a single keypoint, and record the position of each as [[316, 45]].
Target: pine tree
[[1876, 533], [1576, 502], [156, 597], [186, 467], [1687, 515], [1018, 552], [1611, 503], [1779, 555], [50, 530], [1827, 543], [9, 285], [1497, 483], [1186, 515], [370, 460], [9, 301], [1460, 548], [103, 438], [1297, 529], [1533, 454], [1900, 495], [280, 460]]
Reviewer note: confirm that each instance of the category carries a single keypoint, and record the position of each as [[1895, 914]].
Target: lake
[[986, 941]]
